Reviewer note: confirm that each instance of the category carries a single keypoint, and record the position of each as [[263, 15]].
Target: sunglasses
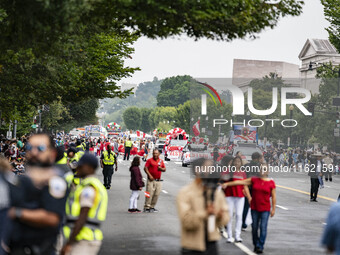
[[40, 148]]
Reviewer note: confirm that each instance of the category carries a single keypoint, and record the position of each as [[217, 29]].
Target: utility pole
[[39, 120]]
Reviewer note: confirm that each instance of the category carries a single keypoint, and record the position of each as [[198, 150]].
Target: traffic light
[[310, 108], [35, 120]]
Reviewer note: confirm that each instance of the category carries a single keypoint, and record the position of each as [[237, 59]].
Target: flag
[[196, 128], [138, 133], [147, 194]]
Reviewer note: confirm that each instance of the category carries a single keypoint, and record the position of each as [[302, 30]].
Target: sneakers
[[258, 250], [224, 233], [151, 210], [230, 240], [134, 210], [238, 240]]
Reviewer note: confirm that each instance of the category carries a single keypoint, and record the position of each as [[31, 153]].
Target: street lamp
[[291, 108]]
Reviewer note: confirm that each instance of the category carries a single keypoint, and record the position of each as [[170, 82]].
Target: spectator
[[198, 202], [136, 184]]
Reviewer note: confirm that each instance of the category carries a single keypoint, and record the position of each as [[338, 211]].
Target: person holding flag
[[153, 168]]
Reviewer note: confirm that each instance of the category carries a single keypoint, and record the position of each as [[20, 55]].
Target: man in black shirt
[[37, 201]]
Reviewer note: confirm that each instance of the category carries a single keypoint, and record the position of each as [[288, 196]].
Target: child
[[136, 184]]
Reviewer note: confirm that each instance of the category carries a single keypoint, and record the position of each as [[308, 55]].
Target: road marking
[[301, 181], [279, 206], [178, 163], [324, 223], [164, 191], [183, 172], [307, 193], [244, 248], [327, 186]]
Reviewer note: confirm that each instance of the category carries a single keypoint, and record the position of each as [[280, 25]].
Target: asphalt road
[[295, 229]]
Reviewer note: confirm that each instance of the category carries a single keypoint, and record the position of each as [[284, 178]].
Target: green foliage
[[132, 118], [144, 97], [332, 10], [213, 19], [183, 116], [75, 50], [163, 114], [57, 111], [175, 90], [145, 125], [328, 86]]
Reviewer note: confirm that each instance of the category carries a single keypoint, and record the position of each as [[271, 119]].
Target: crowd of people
[[51, 200], [51, 196]]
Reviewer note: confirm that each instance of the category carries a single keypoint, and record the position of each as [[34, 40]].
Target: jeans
[[260, 220]]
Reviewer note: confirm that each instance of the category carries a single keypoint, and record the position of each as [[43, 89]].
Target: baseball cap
[[88, 159]]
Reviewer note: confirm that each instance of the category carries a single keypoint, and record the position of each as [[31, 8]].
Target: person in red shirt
[[153, 168], [235, 199], [262, 189]]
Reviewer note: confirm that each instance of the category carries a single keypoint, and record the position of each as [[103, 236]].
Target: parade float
[[176, 140]]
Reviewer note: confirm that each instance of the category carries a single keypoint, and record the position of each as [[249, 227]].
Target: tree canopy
[[75, 50]]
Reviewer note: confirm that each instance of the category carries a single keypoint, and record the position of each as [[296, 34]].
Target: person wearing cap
[[107, 160], [61, 160], [315, 173], [80, 148], [73, 158], [86, 210]]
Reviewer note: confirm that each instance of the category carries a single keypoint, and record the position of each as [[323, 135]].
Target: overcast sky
[[206, 58]]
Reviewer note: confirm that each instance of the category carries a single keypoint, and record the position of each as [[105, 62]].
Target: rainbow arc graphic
[[210, 94]]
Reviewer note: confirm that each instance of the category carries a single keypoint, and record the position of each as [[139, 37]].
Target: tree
[[331, 10], [145, 125], [213, 19], [75, 50], [132, 118], [175, 90], [57, 111], [163, 114]]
